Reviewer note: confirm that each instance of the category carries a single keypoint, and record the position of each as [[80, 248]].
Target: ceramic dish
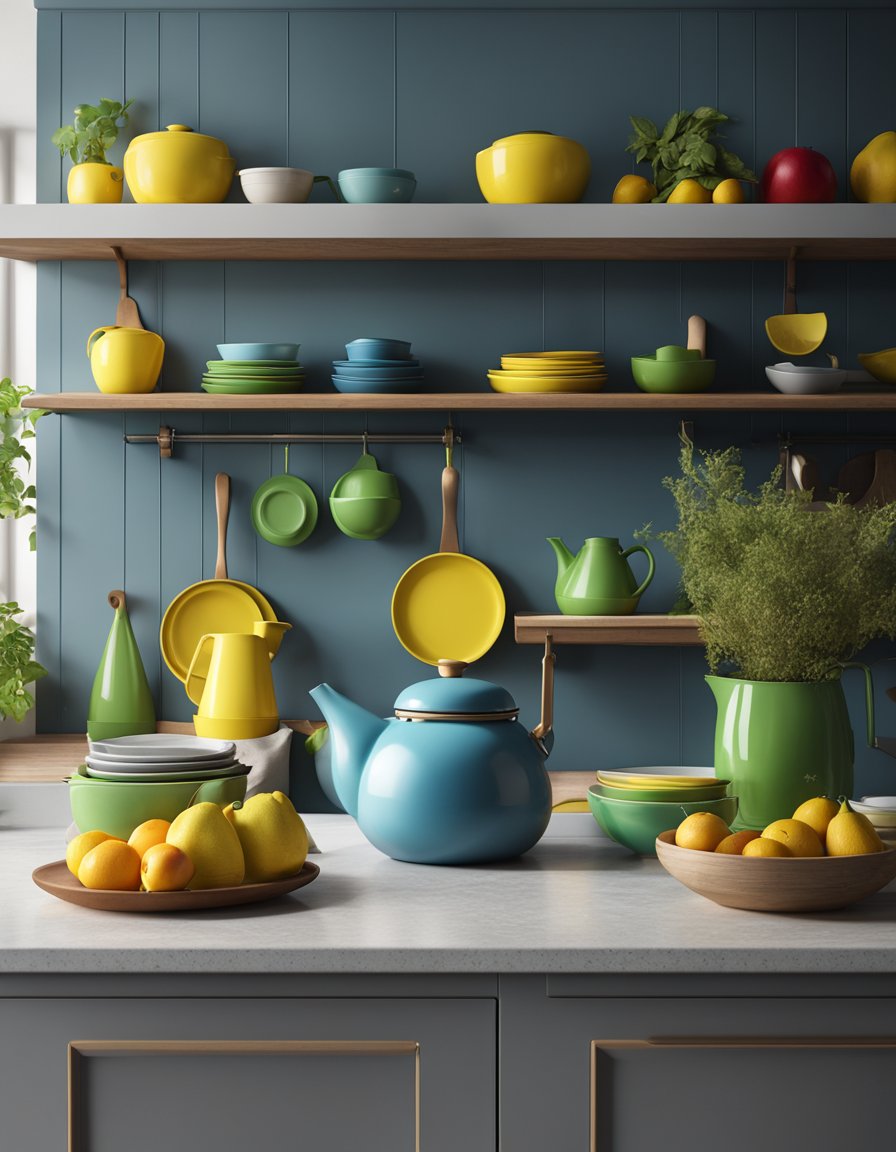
[[258, 351], [245, 372], [209, 606], [376, 185], [290, 364], [881, 365], [663, 795], [880, 810], [408, 362], [636, 823], [165, 777], [353, 384], [672, 376], [660, 778], [551, 368], [809, 884], [366, 347], [503, 382], [131, 764], [791, 380], [554, 355], [163, 746], [284, 510], [250, 387], [56, 879], [350, 368]]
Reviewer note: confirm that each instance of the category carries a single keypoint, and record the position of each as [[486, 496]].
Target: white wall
[[18, 88]]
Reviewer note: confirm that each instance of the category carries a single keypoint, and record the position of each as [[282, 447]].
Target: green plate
[[230, 381], [246, 373], [250, 387], [252, 363], [284, 510]]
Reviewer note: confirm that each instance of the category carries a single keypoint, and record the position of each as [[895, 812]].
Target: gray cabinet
[[707, 1064], [260, 1073]]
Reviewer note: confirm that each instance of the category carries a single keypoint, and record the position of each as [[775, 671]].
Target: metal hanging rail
[[166, 436]]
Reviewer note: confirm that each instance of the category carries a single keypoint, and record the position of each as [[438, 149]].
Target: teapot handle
[[97, 332], [192, 680], [869, 699], [650, 565]]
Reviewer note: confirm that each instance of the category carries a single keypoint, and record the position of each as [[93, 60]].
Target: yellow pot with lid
[[178, 166], [533, 168]]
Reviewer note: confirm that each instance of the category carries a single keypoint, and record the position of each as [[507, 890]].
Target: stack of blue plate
[[378, 365]]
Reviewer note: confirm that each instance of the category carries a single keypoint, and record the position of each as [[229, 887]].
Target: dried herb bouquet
[[783, 593]]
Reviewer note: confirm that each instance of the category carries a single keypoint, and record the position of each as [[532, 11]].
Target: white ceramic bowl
[[799, 380], [276, 185]]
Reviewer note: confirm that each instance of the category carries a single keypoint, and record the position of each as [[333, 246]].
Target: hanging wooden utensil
[[882, 489], [697, 335], [127, 315]]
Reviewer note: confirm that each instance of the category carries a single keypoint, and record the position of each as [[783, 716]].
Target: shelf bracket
[[166, 436]]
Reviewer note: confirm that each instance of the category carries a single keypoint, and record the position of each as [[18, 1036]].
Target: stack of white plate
[[160, 757], [881, 811]]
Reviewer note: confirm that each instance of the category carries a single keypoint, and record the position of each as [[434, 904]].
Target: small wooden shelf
[[641, 628], [756, 401], [447, 232]]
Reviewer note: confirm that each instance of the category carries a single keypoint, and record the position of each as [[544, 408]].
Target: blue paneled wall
[[425, 89]]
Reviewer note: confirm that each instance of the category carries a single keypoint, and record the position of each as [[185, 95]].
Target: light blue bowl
[[378, 347], [259, 351], [355, 384], [362, 373], [376, 185]]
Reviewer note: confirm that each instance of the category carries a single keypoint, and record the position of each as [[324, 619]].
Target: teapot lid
[[451, 696]]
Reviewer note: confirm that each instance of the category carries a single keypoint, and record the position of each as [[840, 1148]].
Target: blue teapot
[[452, 778]]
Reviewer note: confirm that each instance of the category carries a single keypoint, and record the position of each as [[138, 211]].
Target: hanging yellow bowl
[[797, 333]]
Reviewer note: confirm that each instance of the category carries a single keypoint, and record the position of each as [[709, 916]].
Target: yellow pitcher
[[125, 359], [236, 696]]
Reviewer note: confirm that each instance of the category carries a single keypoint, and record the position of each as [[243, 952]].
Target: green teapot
[[598, 581]]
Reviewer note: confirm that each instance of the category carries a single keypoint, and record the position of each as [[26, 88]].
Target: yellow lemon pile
[[633, 189], [260, 839], [819, 827]]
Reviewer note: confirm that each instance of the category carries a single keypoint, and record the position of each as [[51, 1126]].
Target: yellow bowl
[[881, 365], [178, 166], [552, 356], [533, 168], [507, 382]]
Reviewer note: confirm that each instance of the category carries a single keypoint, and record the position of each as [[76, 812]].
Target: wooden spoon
[[127, 315]]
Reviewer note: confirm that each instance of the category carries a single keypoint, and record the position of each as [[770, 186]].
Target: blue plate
[[377, 373], [409, 363], [352, 384]]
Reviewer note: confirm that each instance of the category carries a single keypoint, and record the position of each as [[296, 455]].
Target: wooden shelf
[[447, 231], [756, 401], [642, 628]]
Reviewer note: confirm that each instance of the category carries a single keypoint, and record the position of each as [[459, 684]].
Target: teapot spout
[[565, 558], [353, 732]]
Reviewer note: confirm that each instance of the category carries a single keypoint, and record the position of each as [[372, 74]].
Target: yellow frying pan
[[219, 605], [448, 606]]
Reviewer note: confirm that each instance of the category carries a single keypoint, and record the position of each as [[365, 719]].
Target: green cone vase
[[120, 702], [782, 743]]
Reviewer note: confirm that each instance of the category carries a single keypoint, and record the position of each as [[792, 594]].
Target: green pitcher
[[780, 743], [120, 701], [598, 581]]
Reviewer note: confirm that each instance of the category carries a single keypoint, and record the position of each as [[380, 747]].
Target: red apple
[[798, 176]]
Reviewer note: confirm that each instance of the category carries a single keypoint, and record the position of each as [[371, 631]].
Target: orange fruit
[[799, 837], [762, 846], [77, 848], [633, 189], [112, 864], [148, 833], [817, 813], [165, 868], [734, 844], [702, 831]]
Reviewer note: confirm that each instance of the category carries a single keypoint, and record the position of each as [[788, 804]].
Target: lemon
[[702, 831], [272, 835], [764, 847], [734, 844], [852, 834], [800, 838], [633, 189], [689, 192], [817, 813], [728, 192], [148, 833], [79, 846], [209, 839]]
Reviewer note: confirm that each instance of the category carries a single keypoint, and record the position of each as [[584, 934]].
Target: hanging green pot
[[780, 743], [120, 702]]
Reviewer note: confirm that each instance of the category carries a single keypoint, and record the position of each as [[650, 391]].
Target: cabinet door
[[693, 1074], [389, 1075]]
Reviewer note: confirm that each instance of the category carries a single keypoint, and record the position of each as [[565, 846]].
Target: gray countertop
[[574, 904]]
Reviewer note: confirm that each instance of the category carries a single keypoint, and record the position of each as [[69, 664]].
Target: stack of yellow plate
[[549, 372]]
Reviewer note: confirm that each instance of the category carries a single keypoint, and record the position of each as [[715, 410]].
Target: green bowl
[[663, 795], [362, 517], [653, 375], [637, 823]]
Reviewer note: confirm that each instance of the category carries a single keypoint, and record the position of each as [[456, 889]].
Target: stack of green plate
[[232, 377]]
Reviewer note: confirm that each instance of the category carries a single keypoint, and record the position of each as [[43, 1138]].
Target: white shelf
[[448, 231]]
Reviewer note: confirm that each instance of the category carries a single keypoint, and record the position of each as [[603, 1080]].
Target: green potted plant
[[93, 179], [786, 597], [18, 667]]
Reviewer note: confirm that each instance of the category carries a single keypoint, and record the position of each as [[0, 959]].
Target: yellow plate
[[636, 780], [506, 382], [797, 333], [448, 606], [209, 606], [571, 806], [553, 367], [554, 355]]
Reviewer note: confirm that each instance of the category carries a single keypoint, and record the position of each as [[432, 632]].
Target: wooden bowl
[[774, 884]]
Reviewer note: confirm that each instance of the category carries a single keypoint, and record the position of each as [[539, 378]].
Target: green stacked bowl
[[636, 823]]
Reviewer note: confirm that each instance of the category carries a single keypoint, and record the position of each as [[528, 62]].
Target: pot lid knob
[[451, 668], [177, 128]]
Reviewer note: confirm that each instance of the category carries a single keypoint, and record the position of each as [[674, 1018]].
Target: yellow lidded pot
[[178, 166], [533, 168]]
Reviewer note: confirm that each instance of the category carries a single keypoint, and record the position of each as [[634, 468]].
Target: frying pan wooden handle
[[450, 485], [117, 600], [222, 507]]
